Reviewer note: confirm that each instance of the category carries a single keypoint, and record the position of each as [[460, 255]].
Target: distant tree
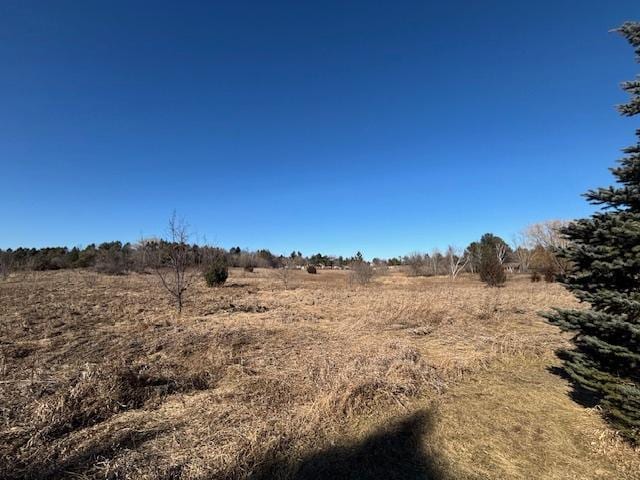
[[604, 258], [547, 242], [361, 272], [267, 259], [522, 246], [491, 267], [319, 259], [544, 262], [72, 257], [112, 258], [6, 263], [215, 266], [283, 273], [87, 257], [171, 259], [435, 258], [456, 261], [416, 263], [473, 252], [138, 257]]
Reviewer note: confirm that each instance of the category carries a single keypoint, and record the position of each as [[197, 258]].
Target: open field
[[408, 377]]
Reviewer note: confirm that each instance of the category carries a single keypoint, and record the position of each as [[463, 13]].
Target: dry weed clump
[[100, 380], [97, 393]]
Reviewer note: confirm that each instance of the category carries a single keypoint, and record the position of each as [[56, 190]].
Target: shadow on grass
[[400, 450], [578, 394]]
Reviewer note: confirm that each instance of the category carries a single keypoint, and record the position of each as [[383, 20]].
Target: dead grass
[[101, 379]]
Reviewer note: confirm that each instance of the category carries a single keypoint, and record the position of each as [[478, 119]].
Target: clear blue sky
[[384, 127]]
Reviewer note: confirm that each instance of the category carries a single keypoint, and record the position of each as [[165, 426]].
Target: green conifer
[[605, 255]]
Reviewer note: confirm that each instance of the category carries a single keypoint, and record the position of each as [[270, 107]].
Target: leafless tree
[[141, 260], [435, 261], [247, 260], [361, 273], [501, 252], [548, 236], [284, 272], [171, 260], [523, 251], [456, 261], [474, 256], [547, 233], [416, 263]]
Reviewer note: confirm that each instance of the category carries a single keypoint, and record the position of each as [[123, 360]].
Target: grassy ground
[[404, 378]]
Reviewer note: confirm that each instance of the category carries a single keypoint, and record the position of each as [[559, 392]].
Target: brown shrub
[[361, 273]]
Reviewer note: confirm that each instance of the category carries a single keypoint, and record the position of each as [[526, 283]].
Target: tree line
[[534, 251]]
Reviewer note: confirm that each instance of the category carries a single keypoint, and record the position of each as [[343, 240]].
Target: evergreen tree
[[490, 266], [604, 252]]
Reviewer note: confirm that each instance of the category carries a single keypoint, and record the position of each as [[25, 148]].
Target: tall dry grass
[[101, 379]]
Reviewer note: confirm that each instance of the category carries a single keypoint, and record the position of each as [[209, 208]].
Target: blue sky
[[384, 127]]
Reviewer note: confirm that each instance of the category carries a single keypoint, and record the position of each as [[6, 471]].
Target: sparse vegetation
[[258, 381], [284, 274], [171, 260], [361, 272]]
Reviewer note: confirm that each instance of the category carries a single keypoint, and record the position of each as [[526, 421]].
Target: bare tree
[[171, 260], [361, 273], [140, 254], [523, 251], [283, 273], [456, 261], [501, 252], [435, 261], [416, 263], [548, 235], [474, 256]]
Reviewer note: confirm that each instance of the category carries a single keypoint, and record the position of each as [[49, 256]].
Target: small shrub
[[217, 272], [216, 276], [284, 275], [248, 268], [311, 269], [361, 273], [549, 275], [535, 277], [493, 275]]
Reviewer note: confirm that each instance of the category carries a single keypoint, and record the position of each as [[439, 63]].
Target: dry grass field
[[405, 378]]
